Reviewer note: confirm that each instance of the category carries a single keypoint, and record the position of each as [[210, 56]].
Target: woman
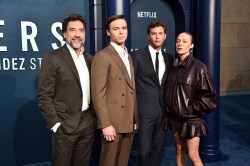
[[190, 94]]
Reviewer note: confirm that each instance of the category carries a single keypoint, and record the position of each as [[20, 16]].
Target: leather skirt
[[187, 128]]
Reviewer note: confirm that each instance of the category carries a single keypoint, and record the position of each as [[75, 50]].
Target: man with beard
[[64, 96]]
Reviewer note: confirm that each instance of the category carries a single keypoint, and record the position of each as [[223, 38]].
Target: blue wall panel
[[24, 138]]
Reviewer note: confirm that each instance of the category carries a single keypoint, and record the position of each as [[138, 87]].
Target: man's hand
[[109, 133]]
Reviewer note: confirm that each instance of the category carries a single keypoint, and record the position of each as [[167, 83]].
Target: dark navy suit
[[150, 102]]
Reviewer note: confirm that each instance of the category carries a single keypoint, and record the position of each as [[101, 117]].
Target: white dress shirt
[[123, 53], [83, 73]]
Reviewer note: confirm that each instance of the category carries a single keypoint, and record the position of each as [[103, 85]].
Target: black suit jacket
[[59, 89], [150, 93]]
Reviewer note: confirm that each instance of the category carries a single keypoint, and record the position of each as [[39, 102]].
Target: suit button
[[122, 106], [123, 94], [120, 79]]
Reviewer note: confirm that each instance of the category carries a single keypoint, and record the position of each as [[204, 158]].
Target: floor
[[234, 135]]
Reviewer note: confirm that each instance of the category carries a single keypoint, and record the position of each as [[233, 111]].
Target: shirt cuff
[[55, 127]]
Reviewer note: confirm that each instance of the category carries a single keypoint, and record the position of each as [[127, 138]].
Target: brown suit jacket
[[113, 92], [59, 89]]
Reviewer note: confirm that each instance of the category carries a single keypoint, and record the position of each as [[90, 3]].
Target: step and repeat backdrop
[[28, 29], [142, 12]]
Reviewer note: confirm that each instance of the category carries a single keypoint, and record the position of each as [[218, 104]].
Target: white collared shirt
[[162, 66], [123, 53], [83, 73]]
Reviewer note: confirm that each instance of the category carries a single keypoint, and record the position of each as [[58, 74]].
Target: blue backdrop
[[144, 12], [28, 29]]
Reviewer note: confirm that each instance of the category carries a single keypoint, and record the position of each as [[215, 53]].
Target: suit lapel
[[149, 65], [122, 66], [69, 60], [132, 80], [87, 60]]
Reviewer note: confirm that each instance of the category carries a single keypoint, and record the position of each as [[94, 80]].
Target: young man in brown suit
[[114, 96]]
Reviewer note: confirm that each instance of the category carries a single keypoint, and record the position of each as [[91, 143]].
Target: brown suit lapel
[[69, 60], [122, 66], [132, 80]]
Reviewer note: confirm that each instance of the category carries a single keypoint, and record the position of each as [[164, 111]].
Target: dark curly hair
[[156, 24], [73, 17]]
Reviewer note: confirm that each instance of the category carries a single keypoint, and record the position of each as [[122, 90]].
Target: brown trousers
[[74, 149], [116, 153]]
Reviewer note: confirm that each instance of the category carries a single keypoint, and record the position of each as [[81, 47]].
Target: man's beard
[[76, 45]]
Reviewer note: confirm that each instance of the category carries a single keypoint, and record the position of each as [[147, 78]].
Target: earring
[[191, 50]]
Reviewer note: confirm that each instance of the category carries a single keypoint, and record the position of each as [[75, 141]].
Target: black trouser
[[151, 139]]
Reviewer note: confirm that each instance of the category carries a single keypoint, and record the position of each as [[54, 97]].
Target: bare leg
[[193, 151], [181, 150]]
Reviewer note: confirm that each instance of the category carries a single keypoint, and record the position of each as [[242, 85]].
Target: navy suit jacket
[[150, 93]]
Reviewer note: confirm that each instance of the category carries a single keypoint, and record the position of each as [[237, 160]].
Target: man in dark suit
[[64, 96], [114, 96], [151, 65]]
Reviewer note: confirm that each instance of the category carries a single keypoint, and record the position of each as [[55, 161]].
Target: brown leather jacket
[[190, 90]]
